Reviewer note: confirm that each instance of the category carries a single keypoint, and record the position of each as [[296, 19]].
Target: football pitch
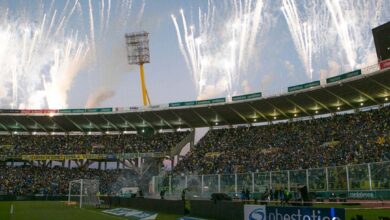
[[38, 210], [42, 210]]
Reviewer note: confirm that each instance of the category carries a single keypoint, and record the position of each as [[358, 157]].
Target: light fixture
[[386, 99], [317, 112], [216, 123], [274, 117], [338, 108], [295, 115], [255, 120], [361, 104]]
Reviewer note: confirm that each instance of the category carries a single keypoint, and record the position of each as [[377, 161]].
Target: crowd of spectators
[[82, 144], [331, 141], [31, 180], [338, 140]]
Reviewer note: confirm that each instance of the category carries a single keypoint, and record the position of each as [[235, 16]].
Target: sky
[[72, 54]]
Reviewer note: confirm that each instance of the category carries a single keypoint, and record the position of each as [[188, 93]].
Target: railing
[[359, 177]]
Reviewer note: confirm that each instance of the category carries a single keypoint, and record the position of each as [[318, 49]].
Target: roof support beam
[[91, 123], [38, 124], [277, 109], [340, 98], [257, 111], [109, 122], [180, 119], [320, 103], [301, 108], [57, 125], [5, 127], [219, 115], [127, 122], [163, 120], [201, 117], [21, 125], [380, 84], [239, 114], [145, 121], [363, 93], [76, 125]]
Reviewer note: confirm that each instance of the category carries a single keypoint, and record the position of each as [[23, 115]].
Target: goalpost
[[84, 191]]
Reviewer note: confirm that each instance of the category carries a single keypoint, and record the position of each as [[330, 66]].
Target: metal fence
[[359, 177]]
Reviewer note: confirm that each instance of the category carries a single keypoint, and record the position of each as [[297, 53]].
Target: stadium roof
[[352, 93]]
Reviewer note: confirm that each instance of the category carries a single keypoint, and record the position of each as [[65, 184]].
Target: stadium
[[319, 149]]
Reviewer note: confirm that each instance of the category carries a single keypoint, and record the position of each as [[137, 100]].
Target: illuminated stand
[[138, 53]]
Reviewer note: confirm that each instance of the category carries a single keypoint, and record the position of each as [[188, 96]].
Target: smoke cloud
[[96, 98]]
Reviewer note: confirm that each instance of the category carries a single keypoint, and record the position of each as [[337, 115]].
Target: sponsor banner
[[211, 101], [135, 155], [344, 76], [361, 195], [255, 212], [384, 64], [179, 104], [83, 156], [78, 110], [247, 96], [38, 111], [13, 111], [65, 157], [200, 102], [303, 86], [82, 110], [258, 212], [133, 213], [93, 110]]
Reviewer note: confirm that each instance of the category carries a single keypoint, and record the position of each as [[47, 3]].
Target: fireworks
[[46, 45], [320, 28], [218, 48]]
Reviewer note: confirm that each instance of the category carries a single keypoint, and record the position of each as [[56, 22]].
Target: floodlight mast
[[138, 53]]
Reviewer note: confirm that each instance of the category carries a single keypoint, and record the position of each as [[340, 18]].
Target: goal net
[[84, 192]]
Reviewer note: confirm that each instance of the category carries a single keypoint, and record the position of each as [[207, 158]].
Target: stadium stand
[[93, 144], [31, 180], [356, 138]]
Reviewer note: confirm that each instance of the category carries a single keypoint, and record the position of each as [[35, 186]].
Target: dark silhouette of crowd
[[338, 140], [82, 144]]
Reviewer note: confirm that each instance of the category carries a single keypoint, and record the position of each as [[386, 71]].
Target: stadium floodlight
[[138, 54], [85, 192]]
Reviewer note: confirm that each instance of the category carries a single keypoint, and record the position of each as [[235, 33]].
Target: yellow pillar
[[145, 97]]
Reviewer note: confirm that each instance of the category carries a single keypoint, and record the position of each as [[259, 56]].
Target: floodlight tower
[[138, 53]]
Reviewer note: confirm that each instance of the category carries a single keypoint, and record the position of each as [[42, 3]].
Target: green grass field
[[37, 210]]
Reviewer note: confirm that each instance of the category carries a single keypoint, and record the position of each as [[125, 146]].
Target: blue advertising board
[[252, 212]]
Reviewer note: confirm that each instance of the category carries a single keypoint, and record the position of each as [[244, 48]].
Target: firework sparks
[[217, 50], [43, 49]]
